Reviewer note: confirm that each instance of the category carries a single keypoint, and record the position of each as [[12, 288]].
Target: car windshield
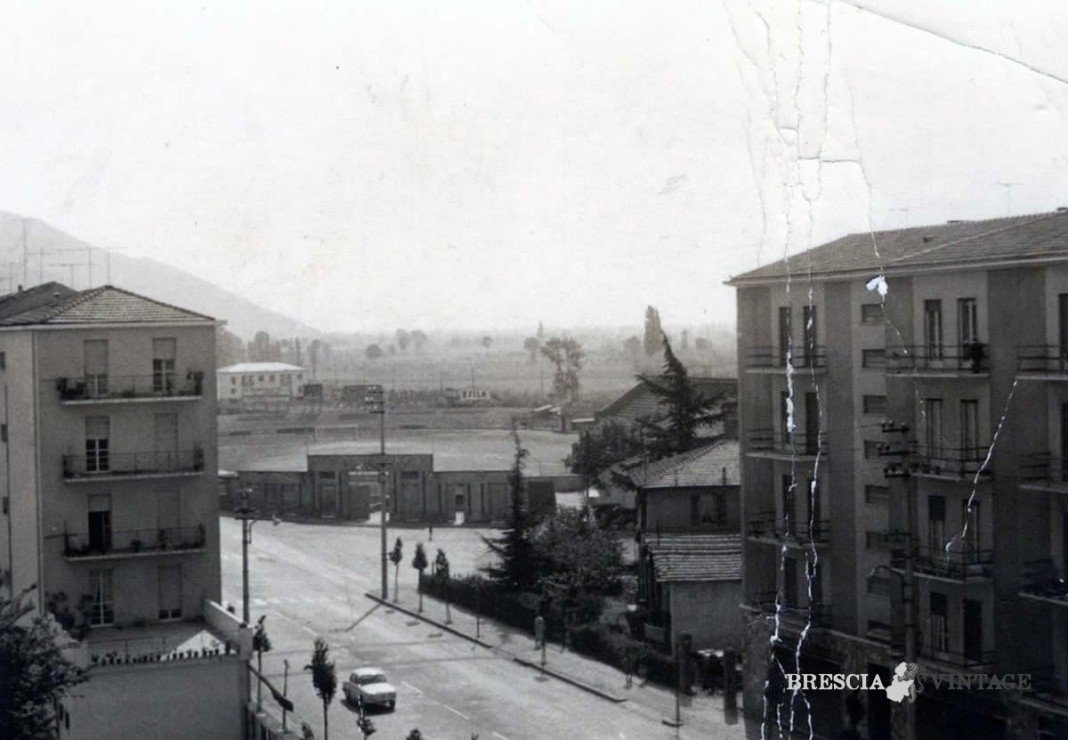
[[370, 678]]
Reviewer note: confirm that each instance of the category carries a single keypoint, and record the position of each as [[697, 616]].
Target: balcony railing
[[786, 443], [127, 387], [958, 565], [120, 464], [958, 462], [1041, 582], [135, 542], [1044, 469], [802, 531], [971, 659], [938, 359], [1042, 359], [817, 614], [801, 357]]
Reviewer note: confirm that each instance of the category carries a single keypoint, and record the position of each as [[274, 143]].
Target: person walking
[[430, 529]]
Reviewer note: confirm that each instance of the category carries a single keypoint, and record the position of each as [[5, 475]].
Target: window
[[973, 630], [932, 329], [95, 354], [789, 507], [101, 609], [932, 426], [873, 358], [261, 379], [707, 509], [936, 523], [875, 405], [969, 429], [327, 475], [871, 313], [970, 516], [809, 350], [163, 353], [872, 448], [876, 494], [3, 360], [233, 380], [97, 452], [939, 622], [785, 343], [967, 322], [271, 378], [170, 592], [300, 376], [100, 523]]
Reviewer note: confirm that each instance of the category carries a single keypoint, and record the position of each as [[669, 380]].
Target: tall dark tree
[[324, 679], [420, 563], [567, 356], [611, 442], [34, 675], [685, 408], [516, 569], [395, 557], [653, 341]]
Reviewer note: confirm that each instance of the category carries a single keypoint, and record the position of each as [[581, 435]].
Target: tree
[[395, 556], [516, 568], [441, 571], [419, 562], [324, 679], [34, 674], [567, 356], [373, 352], [419, 339], [261, 643], [532, 345], [610, 443], [654, 333], [486, 342], [541, 332], [686, 409], [403, 338]]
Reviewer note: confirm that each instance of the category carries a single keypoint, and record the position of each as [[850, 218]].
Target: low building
[[258, 382]]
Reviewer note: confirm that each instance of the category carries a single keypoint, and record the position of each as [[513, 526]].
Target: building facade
[[258, 382], [904, 418], [110, 509]]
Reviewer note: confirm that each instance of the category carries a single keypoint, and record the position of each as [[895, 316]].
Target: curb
[[521, 661]]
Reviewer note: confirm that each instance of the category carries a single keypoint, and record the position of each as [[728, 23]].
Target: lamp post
[[247, 516], [376, 404]]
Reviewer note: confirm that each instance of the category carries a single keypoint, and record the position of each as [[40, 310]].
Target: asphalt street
[[311, 579]]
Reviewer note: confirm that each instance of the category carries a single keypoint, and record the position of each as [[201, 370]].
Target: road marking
[[418, 691], [502, 737], [457, 712]]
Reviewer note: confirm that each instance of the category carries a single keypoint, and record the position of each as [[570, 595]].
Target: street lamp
[[247, 516], [375, 401]]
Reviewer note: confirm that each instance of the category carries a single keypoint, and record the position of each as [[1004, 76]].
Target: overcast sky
[[462, 165]]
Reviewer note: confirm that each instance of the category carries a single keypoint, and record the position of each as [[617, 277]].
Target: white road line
[[502, 737], [457, 712], [413, 688]]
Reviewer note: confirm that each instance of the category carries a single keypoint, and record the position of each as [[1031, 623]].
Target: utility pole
[[247, 516], [375, 401]]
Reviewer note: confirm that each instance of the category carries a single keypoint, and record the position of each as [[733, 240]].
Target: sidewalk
[[702, 716]]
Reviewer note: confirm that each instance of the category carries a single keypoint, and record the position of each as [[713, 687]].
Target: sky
[[365, 166]]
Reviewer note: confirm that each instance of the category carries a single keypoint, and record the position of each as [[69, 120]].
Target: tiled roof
[[1019, 238], [640, 403], [696, 557], [57, 305], [715, 465]]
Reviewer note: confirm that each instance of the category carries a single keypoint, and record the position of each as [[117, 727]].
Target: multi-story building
[[904, 426], [111, 503], [258, 382]]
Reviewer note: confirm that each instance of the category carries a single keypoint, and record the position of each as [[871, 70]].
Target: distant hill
[[55, 255]]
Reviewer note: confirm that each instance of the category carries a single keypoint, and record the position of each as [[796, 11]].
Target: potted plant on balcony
[[197, 379], [135, 545], [164, 539]]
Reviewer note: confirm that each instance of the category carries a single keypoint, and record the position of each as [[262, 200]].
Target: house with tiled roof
[[903, 444], [690, 546], [110, 505]]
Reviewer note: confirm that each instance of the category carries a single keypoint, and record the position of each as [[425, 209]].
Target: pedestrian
[[628, 666], [430, 528]]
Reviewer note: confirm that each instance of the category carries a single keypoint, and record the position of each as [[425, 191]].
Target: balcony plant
[[135, 545], [164, 539]]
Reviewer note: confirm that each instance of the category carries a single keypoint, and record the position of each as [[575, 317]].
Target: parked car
[[370, 685]]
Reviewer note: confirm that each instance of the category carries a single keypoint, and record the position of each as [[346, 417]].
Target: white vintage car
[[370, 685]]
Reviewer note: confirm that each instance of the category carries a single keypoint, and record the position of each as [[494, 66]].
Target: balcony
[[773, 444], [1042, 361], [970, 661], [121, 465], [939, 361], [1041, 583], [1044, 472], [135, 543], [792, 617], [770, 359], [935, 562], [773, 529], [95, 389], [957, 463]]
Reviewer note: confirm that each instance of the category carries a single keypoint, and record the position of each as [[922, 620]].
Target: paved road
[[311, 579]]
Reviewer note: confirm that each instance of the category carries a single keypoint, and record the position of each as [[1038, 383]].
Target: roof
[[260, 367], [696, 557], [713, 465], [640, 403], [1035, 237], [54, 304]]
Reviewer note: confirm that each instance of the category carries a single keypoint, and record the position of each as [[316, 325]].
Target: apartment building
[[904, 427], [111, 507]]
